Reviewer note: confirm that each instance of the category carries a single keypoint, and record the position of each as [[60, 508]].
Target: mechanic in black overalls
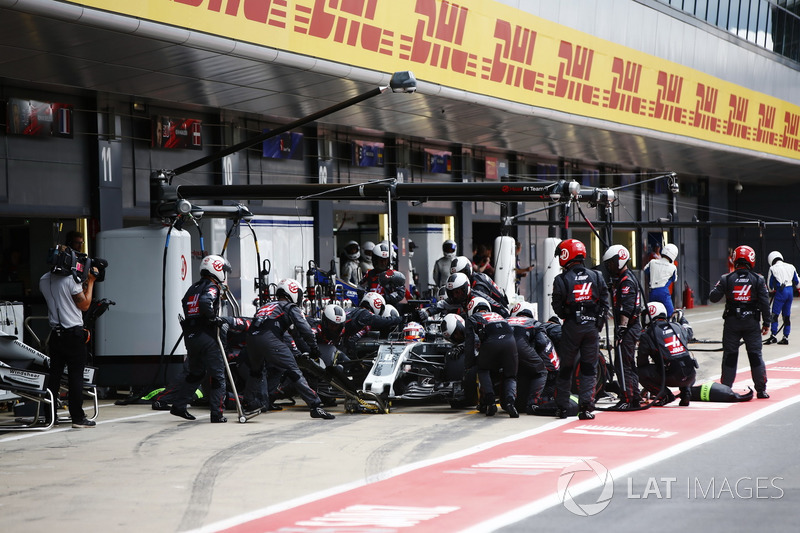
[[746, 303], [492, 338], [665, 343], [270, 337], [203, 354], [482, 285], [389, 283], [580, 299], [626, 300], [534, 349]]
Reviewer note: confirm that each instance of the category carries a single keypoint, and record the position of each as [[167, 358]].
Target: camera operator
[[67, 298]]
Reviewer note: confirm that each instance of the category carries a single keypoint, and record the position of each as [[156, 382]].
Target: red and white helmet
[[524, 309], [656, 310], [746, 255], [215, 266], [374, 302], [453, 328], [570, 250], [615, 258], [413, 332], [478, 304], [291, 290]]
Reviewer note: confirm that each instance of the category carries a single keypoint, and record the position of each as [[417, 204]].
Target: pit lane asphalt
[[147, 470]]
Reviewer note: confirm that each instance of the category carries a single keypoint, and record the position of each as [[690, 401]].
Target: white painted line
[[617, 473], [333, 491]]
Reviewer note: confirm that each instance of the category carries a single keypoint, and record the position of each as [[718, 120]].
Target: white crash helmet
[[374, 302], [367, 249], [334, 314], [352, 250], [413, 332], [458, 288], [390, 310], [774, 256], [656, 310], [461, 264], [291, 290], [215, 266], [523, 309], [381, 256], [670, 251], [453, 327], [478, 304], [616, 257], [333, 319]]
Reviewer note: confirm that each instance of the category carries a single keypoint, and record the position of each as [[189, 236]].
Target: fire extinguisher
[[688, 296]]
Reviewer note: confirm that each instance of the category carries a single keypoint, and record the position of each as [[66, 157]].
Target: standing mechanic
[[441, 269], [66, 299], [203, 355], [268, 340], [746, 302], [627, 305], [580, 299], [665, 342], [662, 274], [384, 280], [781, 282]]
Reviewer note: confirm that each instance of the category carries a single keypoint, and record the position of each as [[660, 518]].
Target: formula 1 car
[[420, 367]]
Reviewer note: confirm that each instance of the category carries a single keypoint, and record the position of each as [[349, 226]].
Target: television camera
[[67, 262]]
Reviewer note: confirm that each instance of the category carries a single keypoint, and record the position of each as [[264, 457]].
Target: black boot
[[585, 412], [491, 404]]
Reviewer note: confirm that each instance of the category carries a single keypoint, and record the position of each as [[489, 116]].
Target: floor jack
[[356, 401]]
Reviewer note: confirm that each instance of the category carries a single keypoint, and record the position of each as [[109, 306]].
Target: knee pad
[[216, 384], [587, 370], [565, 372]]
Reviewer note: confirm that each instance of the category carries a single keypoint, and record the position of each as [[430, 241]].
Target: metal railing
[[773, 25]]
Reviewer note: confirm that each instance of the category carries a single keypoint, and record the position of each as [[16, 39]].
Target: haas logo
[[742, 293], [623, 255], [583, 292], [674, 345], [564, 254]]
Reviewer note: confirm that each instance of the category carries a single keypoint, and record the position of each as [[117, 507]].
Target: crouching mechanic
[[580, 299], [203, 354], [490, 335], [665, 343], [270, 336], [534, 348]]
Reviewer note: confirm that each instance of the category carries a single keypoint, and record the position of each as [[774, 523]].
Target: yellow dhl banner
[[489, 48]]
